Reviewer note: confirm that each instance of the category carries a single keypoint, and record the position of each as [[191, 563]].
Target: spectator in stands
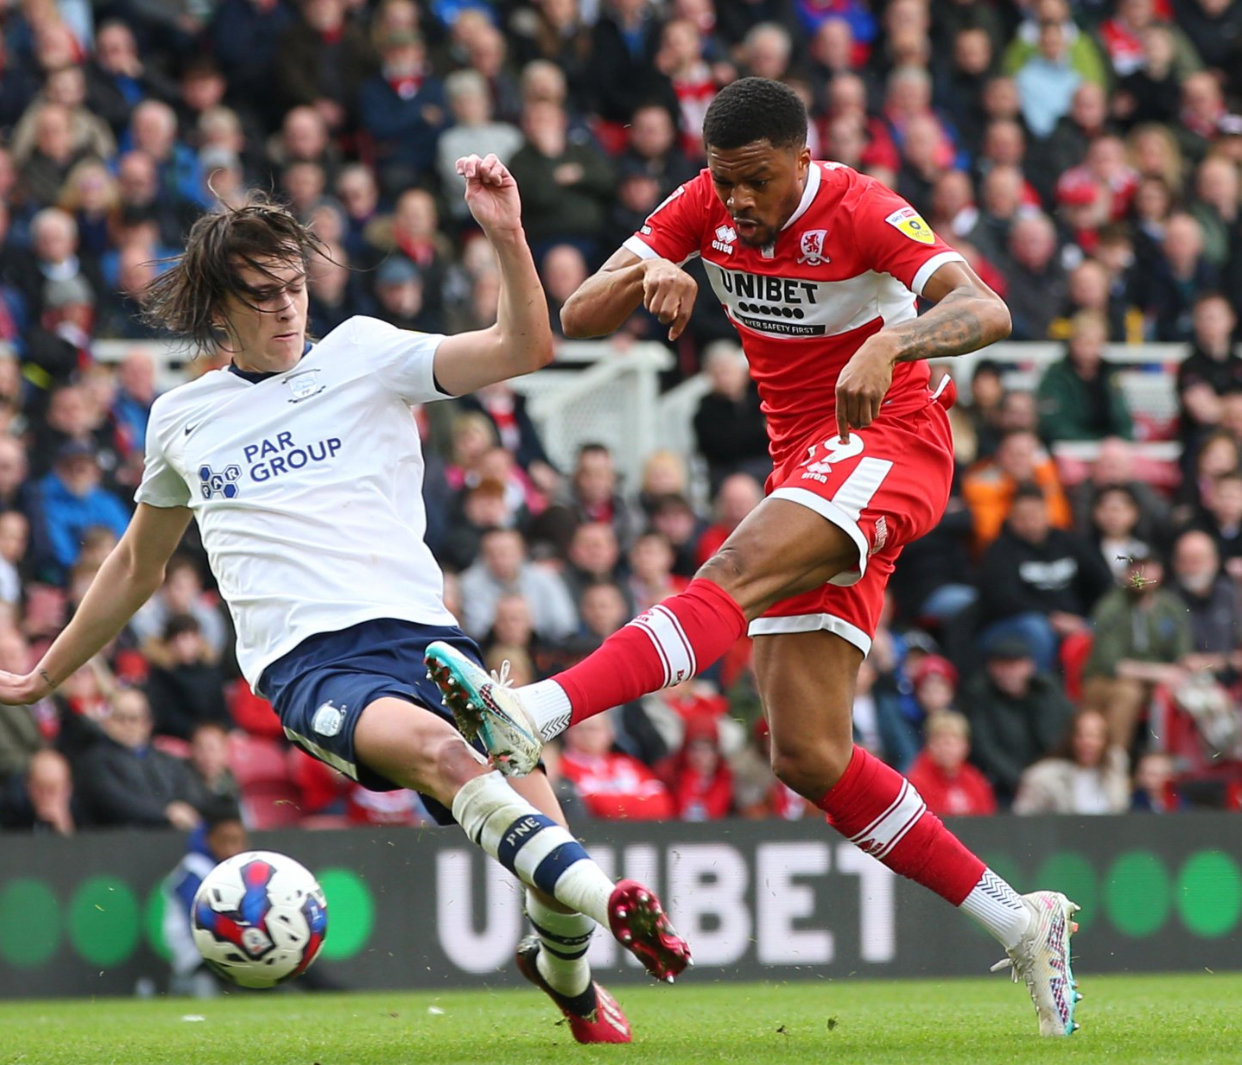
[[1222, 520], [244, 35], [1084, 54], [593, 556], [54, 154], [988, 488], [1036, 278], [209, 766], [135, 394], [1179, 273], [221, 836], [321, 60], [1114, 467], [123, 781], [1085, 774], [594, 495], [153, 130], [1080, 397], [474, 130], [558, 33], [90, 134], [1114, 523], [664, 473], [729, 426], [503, 567], [697, 776], [1047, 80], [651, 572], [1211, 369], [1017, 714], [622, 72], [1211, 600], [1141, 635], [1038, 582], [330, 284], [1154, 784], [1202, 109], [948, 783], [404, 111], [604, 609], [70, 500], [567, 187], [1219, 453], [118, 78], [652, 149], [21, 732], [506, 409], [737, 496], [44, 802], [181, 593], [399, 293], [187, 688], [614, 786]]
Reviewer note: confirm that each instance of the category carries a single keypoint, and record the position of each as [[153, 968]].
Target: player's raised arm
[[610, 295], [128, 577], [967, 316], [521, 339]]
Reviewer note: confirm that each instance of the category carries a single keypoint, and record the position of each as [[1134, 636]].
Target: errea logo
[[725, 236]]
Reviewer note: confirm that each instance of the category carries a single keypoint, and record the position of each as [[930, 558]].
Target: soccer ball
[[259, 918]]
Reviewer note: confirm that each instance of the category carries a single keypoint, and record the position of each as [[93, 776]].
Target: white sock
[[998, 908], [564, 938], [548, 706], [532, 846]]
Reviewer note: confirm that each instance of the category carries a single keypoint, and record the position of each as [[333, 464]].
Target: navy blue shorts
[[320, 688]]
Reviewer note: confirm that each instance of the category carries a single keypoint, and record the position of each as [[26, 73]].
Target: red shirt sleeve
[[674, 230], [897, 239]]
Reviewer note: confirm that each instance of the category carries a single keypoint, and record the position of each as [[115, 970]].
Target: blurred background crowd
[[1068, 640]]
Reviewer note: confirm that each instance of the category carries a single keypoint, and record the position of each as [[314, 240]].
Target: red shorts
[[887, 486]]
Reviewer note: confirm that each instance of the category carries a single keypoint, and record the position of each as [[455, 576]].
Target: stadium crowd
[[1068, 640]]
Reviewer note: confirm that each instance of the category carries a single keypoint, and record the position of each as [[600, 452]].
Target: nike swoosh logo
[[190, 428]]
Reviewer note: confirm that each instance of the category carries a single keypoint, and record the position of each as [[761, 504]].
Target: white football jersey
[[307, 487]]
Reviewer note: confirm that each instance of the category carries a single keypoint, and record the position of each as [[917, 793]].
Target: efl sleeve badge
[[910, 222]]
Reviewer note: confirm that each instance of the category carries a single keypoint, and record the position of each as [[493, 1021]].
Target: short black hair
[[755, 109], [1029, 490]]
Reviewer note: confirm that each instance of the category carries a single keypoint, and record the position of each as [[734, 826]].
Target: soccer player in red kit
[[818, 267]]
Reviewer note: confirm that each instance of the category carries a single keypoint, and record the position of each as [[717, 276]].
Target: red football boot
[[639, 923], [593, 1016]]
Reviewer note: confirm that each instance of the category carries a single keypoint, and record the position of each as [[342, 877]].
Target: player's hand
[[22, 689], [668, 293], [491, 194], [862, 386]]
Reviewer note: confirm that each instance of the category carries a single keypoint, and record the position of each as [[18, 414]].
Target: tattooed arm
[[967, 316]]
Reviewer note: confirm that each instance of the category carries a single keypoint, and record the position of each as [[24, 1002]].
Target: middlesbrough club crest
[[813, 247]]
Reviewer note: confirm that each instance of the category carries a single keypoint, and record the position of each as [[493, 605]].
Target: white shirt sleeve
[[400, 359], [162, 485]]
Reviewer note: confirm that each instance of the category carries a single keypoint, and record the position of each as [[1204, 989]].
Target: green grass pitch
[[1147, 1020]]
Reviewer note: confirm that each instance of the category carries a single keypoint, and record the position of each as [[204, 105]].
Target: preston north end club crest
[[304, 385]]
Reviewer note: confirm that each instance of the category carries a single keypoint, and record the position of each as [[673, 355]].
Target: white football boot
[[1042, 961], [486, 707]]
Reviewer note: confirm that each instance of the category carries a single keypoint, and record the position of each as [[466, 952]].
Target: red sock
[[880, 811], [668, 644]]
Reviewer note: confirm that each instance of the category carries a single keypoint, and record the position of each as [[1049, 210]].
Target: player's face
[[760, 187], [267, 325]]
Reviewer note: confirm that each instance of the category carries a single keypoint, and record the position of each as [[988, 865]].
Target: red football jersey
[[849, 260]]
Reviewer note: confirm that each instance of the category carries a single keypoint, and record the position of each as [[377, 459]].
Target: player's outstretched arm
[[521, 339], [129, 577], [609, 296], [967, 316]]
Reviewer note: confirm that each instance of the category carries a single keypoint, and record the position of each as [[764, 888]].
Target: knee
[[810, 766], [727, 568]]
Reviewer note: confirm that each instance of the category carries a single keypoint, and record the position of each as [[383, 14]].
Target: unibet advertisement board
[[757, 900]]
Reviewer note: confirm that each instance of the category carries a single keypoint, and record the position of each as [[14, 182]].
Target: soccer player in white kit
[[302, 465]]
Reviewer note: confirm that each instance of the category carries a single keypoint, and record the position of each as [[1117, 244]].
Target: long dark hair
[[186, 299]]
